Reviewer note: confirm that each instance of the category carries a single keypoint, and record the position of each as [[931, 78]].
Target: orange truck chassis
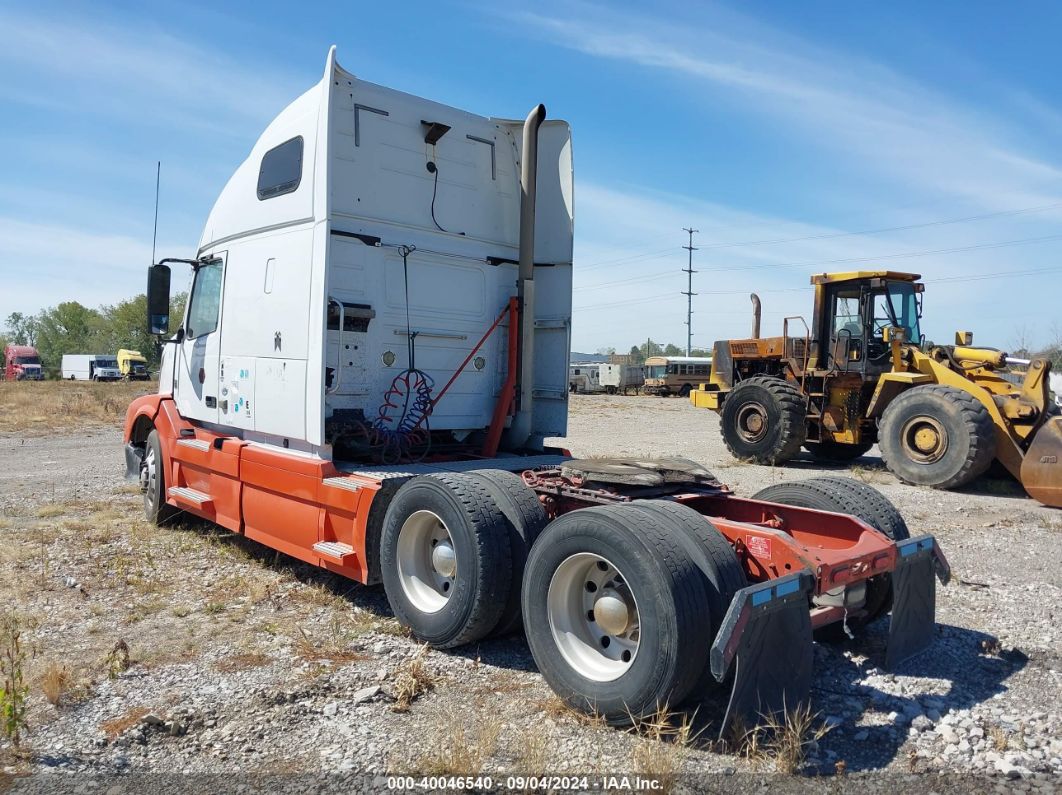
[[800, 566]]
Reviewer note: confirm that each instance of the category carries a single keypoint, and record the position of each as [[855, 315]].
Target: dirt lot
[[188, 650]]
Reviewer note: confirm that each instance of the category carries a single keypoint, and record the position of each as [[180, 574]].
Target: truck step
[[190, 496], [198, 444], [342, 483], [334, 549]]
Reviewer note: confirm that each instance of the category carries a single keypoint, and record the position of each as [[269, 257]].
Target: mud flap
[[919, 561], [766, 638]]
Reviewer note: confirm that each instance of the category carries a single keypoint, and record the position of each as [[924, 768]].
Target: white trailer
[[1056, 387], [585, 377], [623, 378], [595, 377], [90, 367]]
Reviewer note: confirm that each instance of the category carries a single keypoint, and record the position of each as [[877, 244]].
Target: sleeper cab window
[[281, 170]]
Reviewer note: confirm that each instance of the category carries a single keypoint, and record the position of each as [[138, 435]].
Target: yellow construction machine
[[863, 373]]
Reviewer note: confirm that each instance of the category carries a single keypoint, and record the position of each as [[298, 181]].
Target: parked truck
[[132, 365], [374, 351], [90, 367], [22, 363]]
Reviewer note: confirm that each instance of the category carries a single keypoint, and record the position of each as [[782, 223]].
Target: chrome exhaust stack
[[755, 316], [520, 431]]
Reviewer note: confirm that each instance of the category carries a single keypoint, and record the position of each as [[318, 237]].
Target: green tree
[[68, 328], [673, 350], [637, 357], [21, 329]]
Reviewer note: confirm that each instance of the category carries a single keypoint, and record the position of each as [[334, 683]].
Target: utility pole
[[689, 291]]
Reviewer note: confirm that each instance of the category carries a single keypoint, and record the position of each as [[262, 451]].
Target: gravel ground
[[188, 650]]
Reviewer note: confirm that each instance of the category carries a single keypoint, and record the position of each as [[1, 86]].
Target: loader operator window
[[205, 301], [846, 320], [897, 306]]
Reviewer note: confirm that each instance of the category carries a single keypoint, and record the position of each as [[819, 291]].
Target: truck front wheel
[[153, 483]]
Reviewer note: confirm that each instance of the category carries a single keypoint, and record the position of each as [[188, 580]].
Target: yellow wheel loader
[[862, 373]]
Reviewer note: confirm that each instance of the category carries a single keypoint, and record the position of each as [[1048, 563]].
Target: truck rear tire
[[721, 571], [153, 483], [615, 613], [445, 560], [525, 519], [764, 419], [937, 436], [844, 495]]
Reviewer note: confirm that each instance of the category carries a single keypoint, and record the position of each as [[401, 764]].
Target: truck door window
[[205, 303], [281, 170]]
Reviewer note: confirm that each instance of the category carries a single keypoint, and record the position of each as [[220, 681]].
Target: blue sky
[[797, 138]]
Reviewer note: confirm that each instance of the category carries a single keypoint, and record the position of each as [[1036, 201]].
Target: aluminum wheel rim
[[585, 590], [913, 435], [149, 475], [426, 561], [752, 422]]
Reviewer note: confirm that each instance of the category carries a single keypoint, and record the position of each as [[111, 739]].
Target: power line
[[689, 289], [845, 260], [880, 230], [971, 278], [656, 254]]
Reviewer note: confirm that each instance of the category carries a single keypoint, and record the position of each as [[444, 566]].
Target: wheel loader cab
[[852, 313]]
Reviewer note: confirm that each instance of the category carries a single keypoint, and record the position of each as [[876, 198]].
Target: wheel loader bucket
[[913, 623], [1041, 469], [766, 638]]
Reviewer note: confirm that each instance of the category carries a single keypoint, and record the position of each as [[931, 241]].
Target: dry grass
[[998, 738], [38, 407], [412, 680], [114, 727], [665, 741], [462, 751], [781, 741], [557, 708], [243, 662], [335, 645], [55, 682]]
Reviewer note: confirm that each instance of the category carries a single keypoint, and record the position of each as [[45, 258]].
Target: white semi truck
[[374, 349]]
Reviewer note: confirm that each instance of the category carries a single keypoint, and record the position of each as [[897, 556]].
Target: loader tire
[[837, 451], [615, 613], [153, 481], [844, 495], [525, 520], [764, 420], [937, 436], [713, 555], [445, 559]]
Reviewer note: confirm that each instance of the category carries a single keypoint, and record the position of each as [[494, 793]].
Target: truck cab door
[[195, 390]]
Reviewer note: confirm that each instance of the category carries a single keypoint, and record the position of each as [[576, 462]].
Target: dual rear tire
[[619, 603]]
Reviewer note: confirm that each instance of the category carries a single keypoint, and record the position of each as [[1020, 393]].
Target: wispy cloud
[[899, 129], [134, 72], [52, 263]]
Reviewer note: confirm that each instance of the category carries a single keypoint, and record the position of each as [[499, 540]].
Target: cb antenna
[[155, 234]]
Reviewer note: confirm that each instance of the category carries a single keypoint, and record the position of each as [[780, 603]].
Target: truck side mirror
[[158, 299]]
